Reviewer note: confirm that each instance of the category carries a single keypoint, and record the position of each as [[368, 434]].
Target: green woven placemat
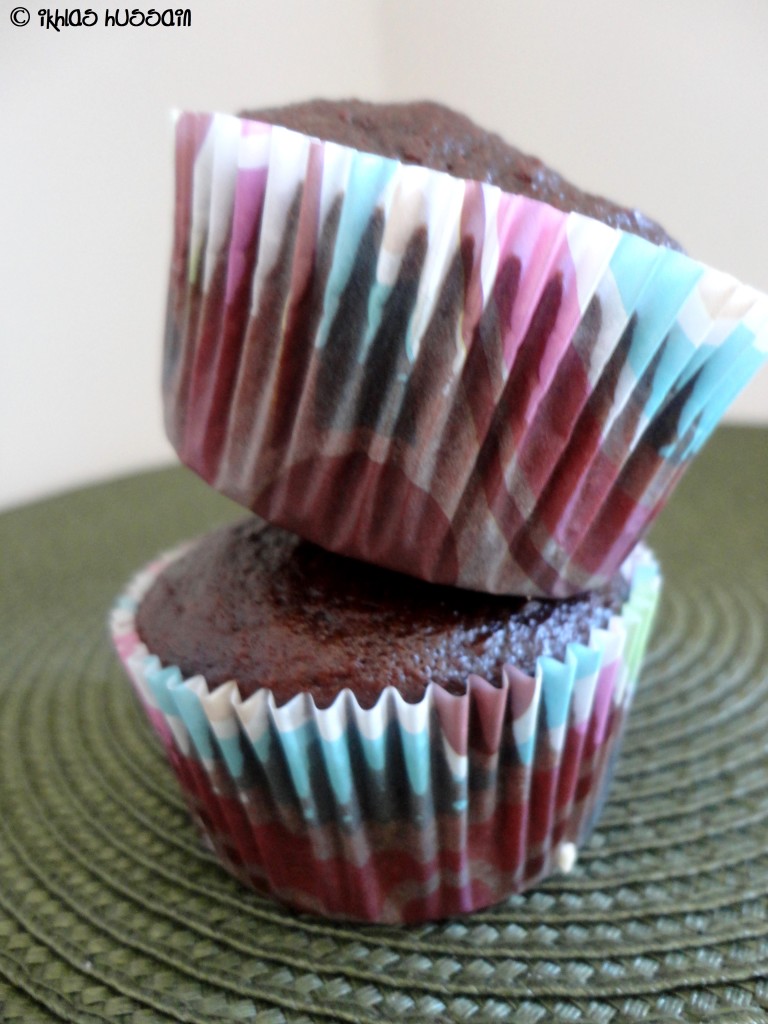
[[110, 911]]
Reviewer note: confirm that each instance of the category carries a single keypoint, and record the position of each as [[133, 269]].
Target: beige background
[[656, 103]]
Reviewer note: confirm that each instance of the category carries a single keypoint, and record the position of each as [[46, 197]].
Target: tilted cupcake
[[366, 746], [440, 375]]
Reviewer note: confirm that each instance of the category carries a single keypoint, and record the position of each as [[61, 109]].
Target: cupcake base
[[409, 873]]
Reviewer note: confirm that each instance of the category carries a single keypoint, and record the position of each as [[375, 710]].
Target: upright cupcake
[[368, 746]]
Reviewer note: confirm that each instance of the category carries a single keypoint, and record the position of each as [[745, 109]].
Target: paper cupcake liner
[[403, 811], [429, 373]]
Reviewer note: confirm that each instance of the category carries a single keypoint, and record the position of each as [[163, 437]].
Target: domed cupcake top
[[432, 135]]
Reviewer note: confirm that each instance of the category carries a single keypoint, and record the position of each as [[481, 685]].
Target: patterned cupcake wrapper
[[520, 386], [404, 811]]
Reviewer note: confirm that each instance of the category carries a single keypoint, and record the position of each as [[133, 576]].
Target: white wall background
[[653, 103]]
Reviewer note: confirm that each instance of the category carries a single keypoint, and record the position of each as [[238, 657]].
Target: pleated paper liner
[[400, 812], [431, 374]]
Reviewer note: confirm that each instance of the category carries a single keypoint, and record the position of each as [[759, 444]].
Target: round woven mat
[[110, 910]]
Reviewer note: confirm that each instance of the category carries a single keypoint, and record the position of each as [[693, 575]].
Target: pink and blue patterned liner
[[504, 394], [401, 812]]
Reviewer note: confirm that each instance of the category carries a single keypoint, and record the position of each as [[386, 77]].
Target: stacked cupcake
[[458, 391]]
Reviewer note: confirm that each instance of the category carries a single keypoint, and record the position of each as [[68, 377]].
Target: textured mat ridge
[[111, 911]]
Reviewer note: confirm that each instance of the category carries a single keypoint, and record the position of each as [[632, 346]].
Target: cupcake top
[[434, 136], [258, 605]]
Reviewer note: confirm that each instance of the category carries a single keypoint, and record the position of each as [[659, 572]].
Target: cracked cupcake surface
[[259, 606], [432, 135]]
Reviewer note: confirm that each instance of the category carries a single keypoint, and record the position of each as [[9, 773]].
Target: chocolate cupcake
[[366, 746], [437, 370]]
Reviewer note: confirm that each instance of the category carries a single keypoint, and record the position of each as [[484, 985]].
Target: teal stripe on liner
[[368, 177], [556, 689], [632, 264], [636, 263], [159, 680], [232, 753], [586, 660], [675, 278], [295, 744], [734, 379], [192, 715], [337, 764], [374, 751], [525, 751], [262, 745], [723, 371], [676, 356], [417, 759], [376, 302]]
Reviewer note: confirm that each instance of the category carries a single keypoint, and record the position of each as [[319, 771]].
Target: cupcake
[[465, 371], [366, 746]]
